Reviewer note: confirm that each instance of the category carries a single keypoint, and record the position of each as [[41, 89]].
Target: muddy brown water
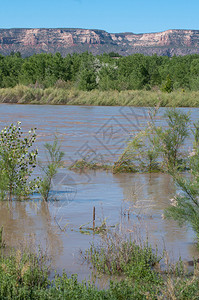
[[132, 202]]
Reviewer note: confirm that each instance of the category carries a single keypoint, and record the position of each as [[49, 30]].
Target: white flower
[[162, 216]]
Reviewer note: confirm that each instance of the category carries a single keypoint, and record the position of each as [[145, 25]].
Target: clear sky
[[138, 16]]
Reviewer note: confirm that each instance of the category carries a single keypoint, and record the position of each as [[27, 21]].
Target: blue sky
[[113, 16]]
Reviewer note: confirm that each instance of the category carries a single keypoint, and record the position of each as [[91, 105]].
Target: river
[[99, 133]]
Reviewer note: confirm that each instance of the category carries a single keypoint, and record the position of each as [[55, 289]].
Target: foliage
[[185, 205], [24, 275], [140, 154], [119, 255], [168, 85], [54, 161], [156, 148], [17, 162], [104, 72], [21, 273], [171, 140]]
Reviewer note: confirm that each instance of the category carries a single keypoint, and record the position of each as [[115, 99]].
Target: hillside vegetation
[[107, 79]]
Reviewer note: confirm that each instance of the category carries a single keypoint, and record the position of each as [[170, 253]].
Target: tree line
[[104, 72]]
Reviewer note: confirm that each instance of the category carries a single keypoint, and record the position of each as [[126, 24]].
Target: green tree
[[168, 85], [108, 77], [86, 77], [134, 71], [87, 80], [10, 69], [17, 162]]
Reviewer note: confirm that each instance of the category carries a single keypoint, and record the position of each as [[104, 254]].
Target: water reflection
[[24, 220]]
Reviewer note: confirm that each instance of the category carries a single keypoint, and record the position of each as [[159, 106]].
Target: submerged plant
[[24, 274], [156, 148], [141, 154], [17, 162], [119, 255], [185, 205], [54, 162], [172, 139]]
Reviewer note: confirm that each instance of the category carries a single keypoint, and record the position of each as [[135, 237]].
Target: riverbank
[[29, 95]]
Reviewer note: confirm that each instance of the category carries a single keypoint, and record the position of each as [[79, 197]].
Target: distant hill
[[69, 40]]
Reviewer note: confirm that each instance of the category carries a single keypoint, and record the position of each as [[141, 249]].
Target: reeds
[[71, 96]]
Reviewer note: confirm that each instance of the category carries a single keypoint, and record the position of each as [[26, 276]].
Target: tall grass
[[71, 96]]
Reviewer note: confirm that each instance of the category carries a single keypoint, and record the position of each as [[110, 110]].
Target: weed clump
[[84, 164], [119, 255]]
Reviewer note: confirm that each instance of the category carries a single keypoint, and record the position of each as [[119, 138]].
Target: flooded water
[[132, 202]]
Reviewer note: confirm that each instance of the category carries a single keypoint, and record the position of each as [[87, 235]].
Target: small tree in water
[[156, 148], [17, 162], [54, 162], [185, 206], [171, 140]]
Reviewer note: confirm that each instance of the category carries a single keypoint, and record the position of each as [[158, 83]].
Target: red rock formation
[[29, 41]]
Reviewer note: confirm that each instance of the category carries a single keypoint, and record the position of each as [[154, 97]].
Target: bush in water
[[17, 162]]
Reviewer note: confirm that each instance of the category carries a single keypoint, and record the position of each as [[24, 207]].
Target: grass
[[24, 275], [54, 95]]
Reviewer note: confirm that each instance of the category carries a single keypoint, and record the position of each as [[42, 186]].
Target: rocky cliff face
[[63, 40]]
